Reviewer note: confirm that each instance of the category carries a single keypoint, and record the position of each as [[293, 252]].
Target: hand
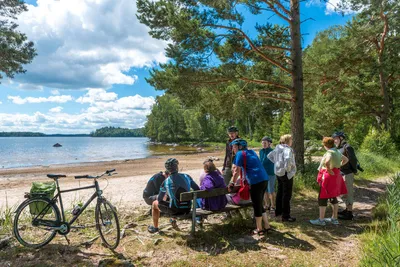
[[230, 186], [331, 172]]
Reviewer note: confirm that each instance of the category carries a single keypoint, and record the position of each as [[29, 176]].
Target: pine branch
[[253, 47], [266, 82], [276, 11]]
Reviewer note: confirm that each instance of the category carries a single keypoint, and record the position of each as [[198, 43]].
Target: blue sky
[[93, 58]]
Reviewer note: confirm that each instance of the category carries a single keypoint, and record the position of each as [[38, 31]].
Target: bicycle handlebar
[[109, 172]]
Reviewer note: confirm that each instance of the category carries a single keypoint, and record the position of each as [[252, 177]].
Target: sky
[[93, 58]]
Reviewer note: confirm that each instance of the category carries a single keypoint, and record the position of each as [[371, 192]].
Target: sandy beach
[[123, 189]]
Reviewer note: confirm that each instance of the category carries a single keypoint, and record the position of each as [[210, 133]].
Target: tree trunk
[[297, 112]]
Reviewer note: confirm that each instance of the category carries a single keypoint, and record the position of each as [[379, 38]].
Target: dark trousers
[[283, 196], [257, 195]]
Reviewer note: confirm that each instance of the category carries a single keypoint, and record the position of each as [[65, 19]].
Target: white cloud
[[96, 95], [55, 92], [54, 99], [105, 109], [87, 43], [331, 6], [56, 109]]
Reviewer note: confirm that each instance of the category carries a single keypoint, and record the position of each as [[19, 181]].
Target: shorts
[[150, 200], [323, 202], [165, 208], [271, 184]]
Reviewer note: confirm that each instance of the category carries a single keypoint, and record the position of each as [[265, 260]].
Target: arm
[[193, 185], [352, 158], [163, 193], [226, 156], [271, 156], [344, 160], [235, 173], [328, 166]]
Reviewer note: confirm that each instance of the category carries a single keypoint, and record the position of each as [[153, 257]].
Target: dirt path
[[221, 243]]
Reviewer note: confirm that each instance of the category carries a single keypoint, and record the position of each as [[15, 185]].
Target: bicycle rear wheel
[[107, 223], [34, 220]]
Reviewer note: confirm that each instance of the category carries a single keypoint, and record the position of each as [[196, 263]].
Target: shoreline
[[127, 186]]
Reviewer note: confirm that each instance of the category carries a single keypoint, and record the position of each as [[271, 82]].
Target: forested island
[[117, 132], [102, 132]]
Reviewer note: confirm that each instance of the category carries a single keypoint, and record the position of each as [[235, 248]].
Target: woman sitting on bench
[[212, 179]]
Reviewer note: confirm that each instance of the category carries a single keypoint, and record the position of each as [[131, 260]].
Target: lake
[[39, 151]]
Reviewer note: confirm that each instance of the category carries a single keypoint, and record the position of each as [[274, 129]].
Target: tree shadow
[[50, 255], [366, 196]]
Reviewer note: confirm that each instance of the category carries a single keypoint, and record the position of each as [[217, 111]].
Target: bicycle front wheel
[[107, 223], [34, 222]]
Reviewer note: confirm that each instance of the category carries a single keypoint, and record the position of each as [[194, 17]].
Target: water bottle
[[76, 210]]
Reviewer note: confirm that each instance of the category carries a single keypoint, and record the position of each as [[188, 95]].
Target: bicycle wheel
[[107, 223], [33, 221]]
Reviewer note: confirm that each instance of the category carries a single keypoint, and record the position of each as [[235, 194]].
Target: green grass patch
[[382, 241], [375, 165]]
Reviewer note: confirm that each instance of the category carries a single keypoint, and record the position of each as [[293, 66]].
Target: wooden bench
[[194, 195]]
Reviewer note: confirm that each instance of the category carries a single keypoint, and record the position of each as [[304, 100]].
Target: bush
[[379, 142]]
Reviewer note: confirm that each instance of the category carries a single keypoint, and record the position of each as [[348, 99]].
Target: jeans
[[283, 196]]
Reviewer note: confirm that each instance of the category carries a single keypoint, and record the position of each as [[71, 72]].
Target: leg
[[322, 210], [156, 213], [279, 200], [267, 203], [272, 199], [335, 208], [257, 194], [349, 179], [287, 196], [271, 190], [227, 175]]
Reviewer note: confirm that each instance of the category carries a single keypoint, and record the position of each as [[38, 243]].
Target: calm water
[[34, 151]]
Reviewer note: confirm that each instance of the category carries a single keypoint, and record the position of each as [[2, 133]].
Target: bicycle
[[35, 228]]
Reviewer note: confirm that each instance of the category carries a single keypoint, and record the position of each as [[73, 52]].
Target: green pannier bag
[[45, 188]]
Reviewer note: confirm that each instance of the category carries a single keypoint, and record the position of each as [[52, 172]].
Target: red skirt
[[331, 185]]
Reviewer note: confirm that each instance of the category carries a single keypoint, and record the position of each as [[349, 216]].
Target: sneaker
[[332, 221], [318, 222], [152, 229], [347, 216]]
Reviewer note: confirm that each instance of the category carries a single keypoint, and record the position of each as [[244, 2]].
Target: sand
[[123, 189]]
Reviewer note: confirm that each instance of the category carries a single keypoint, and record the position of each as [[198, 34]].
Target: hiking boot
[[332, 221], [347, 216], [318, 222], [289, 219]]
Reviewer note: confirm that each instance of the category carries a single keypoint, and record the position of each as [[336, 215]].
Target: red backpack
[[244, 190]]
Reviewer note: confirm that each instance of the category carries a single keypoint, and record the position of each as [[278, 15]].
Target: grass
[[382, 242], [228, 243]]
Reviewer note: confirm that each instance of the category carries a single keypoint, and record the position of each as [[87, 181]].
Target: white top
[[283, 158]]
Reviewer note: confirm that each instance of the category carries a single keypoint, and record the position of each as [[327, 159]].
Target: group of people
[[256, 175]]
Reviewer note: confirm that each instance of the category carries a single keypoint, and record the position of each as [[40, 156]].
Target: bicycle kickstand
[[66, 238]]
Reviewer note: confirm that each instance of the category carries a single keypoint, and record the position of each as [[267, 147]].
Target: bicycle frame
[[96, 194]]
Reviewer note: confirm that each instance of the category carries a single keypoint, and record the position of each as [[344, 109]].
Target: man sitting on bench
[[150, 193], [168, 200]]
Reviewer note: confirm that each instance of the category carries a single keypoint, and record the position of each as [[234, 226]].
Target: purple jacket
[[213, 180]]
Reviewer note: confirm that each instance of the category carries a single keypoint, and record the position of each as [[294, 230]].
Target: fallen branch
[[89, 242]]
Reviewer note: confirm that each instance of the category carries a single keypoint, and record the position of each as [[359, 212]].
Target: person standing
[[233, 133], [348, 171], [330, 181], [269, 168], [247, 161], [285, 169]]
